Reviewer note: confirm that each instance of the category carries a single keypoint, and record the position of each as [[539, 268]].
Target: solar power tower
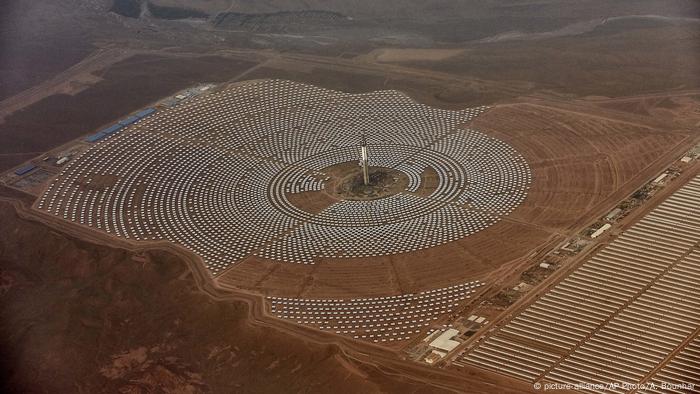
[[364, 159]]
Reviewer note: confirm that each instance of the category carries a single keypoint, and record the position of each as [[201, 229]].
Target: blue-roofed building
[[95, 137], [128, 121], [143, 113], [111, 129], [24, 169]]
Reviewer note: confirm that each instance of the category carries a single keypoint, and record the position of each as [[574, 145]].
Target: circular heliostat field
[[270, 168]]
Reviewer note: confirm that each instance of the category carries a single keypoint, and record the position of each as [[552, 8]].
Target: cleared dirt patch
[[392, 55]]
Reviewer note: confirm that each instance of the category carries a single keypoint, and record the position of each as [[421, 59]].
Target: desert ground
[[598, 97]]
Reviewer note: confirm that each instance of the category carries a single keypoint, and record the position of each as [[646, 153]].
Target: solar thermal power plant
[[217, 175], [394, 196], [284, 173], [632, 306]]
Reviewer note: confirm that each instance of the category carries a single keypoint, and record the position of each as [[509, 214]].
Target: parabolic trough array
[[629, 314], [222, 174]]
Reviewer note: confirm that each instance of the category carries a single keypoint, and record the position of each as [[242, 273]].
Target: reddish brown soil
[[312, 201], [144, 321], [429, 181], [136, 322], [578, 157]]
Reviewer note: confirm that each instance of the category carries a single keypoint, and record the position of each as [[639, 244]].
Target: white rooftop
[[444, 341], [660, 177], [601, 230]]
